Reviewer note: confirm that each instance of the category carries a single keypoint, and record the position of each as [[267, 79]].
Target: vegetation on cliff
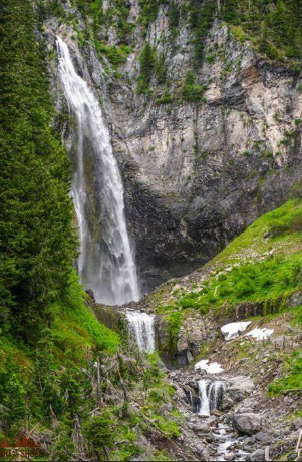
[[275, 27]]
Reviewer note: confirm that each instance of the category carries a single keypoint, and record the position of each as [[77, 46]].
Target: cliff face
[[195, 173]]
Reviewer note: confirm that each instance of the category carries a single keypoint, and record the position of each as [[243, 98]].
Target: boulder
[[91, 294], [248, 424], [263, 437], [180, 392], [242, 382], [216, 412], [294, 300], [201, 428], [297, 423], [231, 397], [201, 452], [230, 456], [258, 455]]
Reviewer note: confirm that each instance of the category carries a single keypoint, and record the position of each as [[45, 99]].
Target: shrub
[[191, 91], [165, 99], [116, 55]]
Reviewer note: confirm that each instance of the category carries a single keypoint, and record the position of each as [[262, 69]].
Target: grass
[[262, 265], [75, 327], [29, 376], [291, 380], [116, 55], [248, 270], [262, 281], [285, 217]]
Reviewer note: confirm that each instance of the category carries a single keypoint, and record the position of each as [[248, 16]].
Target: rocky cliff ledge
[[196, 173]]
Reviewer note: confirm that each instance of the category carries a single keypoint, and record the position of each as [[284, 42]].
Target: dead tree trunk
[[77, 438]]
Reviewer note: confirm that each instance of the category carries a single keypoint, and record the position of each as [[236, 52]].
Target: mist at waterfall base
[[106, 264]]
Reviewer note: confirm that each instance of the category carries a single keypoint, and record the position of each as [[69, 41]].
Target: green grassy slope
[[34, 378], [263, 266]]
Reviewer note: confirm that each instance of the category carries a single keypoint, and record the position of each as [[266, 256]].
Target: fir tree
[[37, 243]]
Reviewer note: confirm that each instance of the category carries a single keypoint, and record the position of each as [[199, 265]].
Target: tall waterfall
[[106, 265], [210, 395], [141, 328]]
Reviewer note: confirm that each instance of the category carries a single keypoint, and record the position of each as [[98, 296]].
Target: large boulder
[[297, 423], [258, 455], [248, 423], [230, 398]]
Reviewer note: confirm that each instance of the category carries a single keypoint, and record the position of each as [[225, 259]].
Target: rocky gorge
[[150, 254], [195, 173]]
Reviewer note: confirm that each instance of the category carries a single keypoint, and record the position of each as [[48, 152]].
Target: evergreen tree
[[99, 431], [174, 16], [147, 63], [37, 243], [230, 11], [202, 17]]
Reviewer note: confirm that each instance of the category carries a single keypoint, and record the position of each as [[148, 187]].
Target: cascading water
[[210, 395], [106, 266], [141, 328]]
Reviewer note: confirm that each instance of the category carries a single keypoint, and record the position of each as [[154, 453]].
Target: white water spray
[[141, 328], [106, 265]]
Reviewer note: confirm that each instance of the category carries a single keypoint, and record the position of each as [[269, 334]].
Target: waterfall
[[141, 329], [210, 395], [106, 264], [204, 409]]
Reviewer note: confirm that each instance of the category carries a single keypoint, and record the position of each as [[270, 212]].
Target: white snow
[[232, 330], [214, 368], [260, 334]]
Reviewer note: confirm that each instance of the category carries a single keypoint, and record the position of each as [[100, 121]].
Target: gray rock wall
[[195, 175]]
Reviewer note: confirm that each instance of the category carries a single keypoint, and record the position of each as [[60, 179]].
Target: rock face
[[195, 175], [248, 424]]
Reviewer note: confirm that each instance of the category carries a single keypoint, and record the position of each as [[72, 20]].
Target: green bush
[[276, 28], [201, 18], [191, 91], [100, 431], [149, 10], [174, 17], [165, 99], [116, 55]]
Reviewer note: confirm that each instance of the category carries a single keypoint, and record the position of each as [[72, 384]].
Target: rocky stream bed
[[243, 426]]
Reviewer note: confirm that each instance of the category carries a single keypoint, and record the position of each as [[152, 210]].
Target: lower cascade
[[106, 265], [210, 395], [142, 329]]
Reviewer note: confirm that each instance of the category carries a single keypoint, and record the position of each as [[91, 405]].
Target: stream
[[228, 443]]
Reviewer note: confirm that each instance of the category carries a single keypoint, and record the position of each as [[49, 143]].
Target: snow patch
[[232, 330], [260, 334], [214, 368]]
